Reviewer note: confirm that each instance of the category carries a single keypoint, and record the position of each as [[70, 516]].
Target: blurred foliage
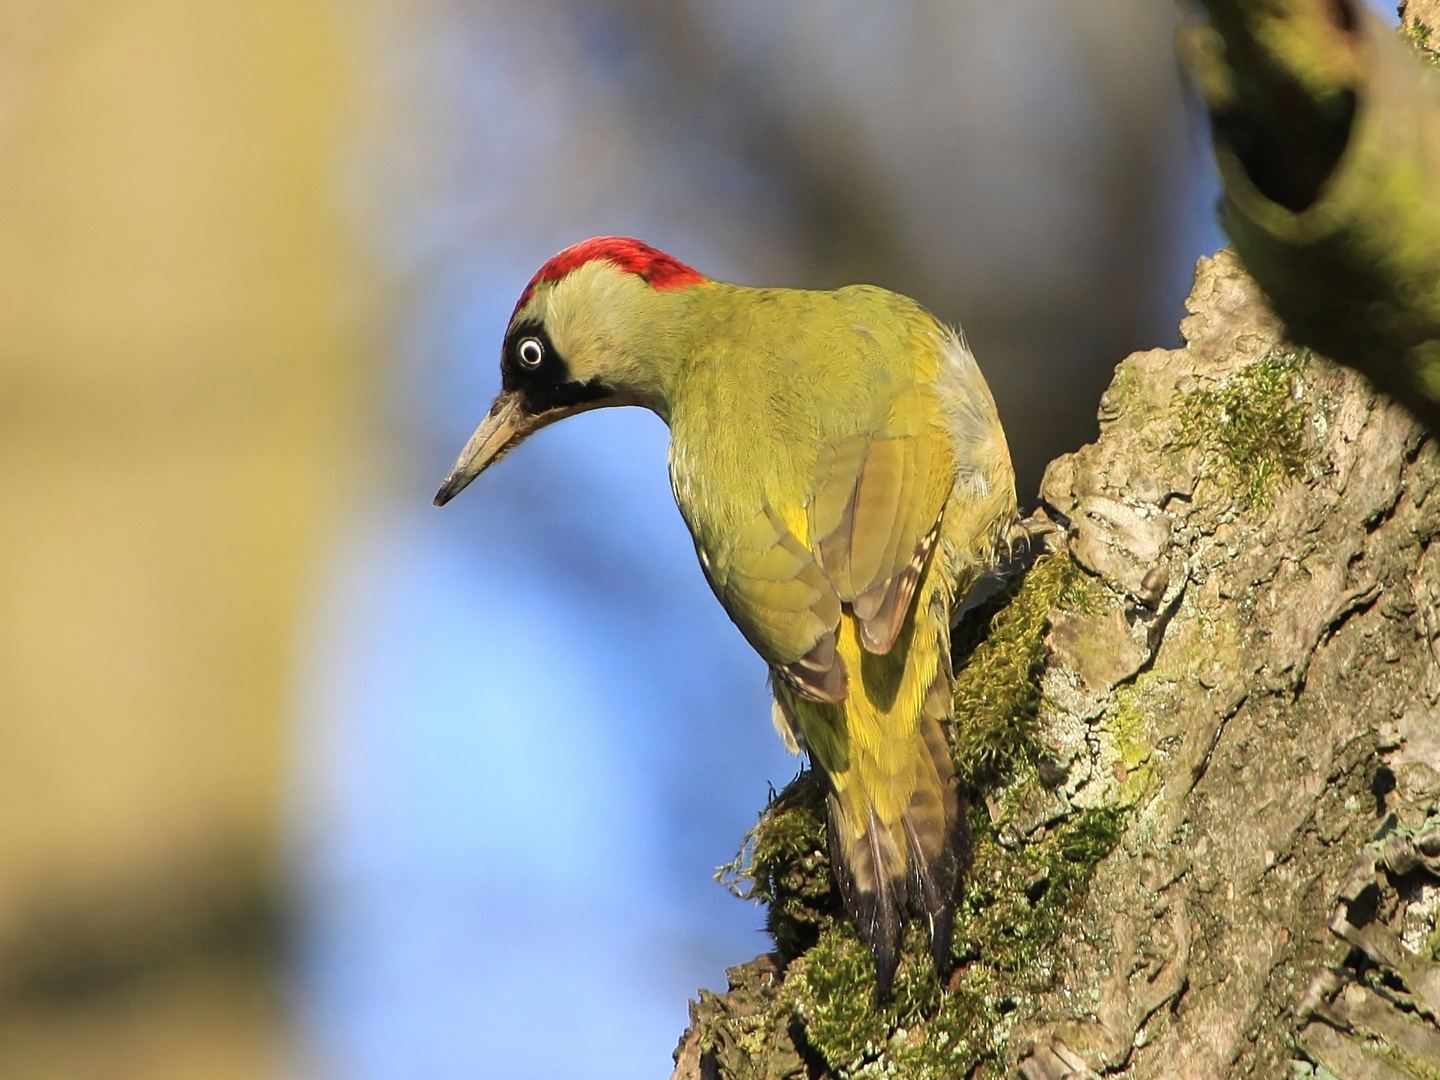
[[179, 367]]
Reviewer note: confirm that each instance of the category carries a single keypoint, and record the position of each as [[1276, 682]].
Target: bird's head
[[586, 333]]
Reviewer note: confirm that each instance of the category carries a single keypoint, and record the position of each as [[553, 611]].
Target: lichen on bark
[[1178, 732]]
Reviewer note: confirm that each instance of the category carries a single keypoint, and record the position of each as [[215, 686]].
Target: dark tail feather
[[878, 890], [934, 878], [937, 831], [886, 872], [872, 883]]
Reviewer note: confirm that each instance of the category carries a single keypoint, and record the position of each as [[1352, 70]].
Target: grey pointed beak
[[505, 426]]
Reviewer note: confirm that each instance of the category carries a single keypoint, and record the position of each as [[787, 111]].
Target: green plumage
[[839, 462], [816, 460]]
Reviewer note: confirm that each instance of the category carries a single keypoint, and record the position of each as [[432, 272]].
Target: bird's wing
[[775, 591], [870, 519], [875, 514]]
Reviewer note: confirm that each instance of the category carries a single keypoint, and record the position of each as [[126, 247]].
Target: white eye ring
[[530, 352]]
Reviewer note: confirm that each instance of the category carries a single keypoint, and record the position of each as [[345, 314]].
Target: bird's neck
[[658, 338]]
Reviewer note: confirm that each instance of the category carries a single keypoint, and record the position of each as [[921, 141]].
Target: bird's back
[[781, 373]]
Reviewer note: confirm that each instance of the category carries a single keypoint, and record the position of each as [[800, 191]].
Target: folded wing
[[872, 514], [875, 515]]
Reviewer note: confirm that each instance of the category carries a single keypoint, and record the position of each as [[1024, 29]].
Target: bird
[[840, 463]]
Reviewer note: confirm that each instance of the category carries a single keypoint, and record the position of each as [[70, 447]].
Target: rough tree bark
[[1201, 740]]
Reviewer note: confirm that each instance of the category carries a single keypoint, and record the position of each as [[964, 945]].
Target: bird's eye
[[530, 351]]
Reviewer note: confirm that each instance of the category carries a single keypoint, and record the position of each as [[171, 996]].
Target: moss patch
[[998, 656], [1018, 900], [1252, 428], [1134, 741], [783, 863]]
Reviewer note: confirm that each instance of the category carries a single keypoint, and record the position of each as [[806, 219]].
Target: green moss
[[967, 1029], [1251, 428], [1017, 900], [1091, 836], [1131, 729], [998, 655], [1082, 593], [834, 993], [783, 863]]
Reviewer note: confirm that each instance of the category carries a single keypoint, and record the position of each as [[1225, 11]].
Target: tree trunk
[[1201, 744]]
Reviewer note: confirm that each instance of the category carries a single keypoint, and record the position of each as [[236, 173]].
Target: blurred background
[[302, 777]]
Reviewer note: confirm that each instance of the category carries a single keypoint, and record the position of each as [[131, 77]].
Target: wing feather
[[875, 515], [782, 601], [866, 520]]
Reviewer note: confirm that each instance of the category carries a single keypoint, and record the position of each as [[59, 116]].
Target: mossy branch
[[1327, 136], [1280, 79]]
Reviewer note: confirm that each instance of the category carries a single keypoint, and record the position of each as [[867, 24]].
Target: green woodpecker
[[839, 461]]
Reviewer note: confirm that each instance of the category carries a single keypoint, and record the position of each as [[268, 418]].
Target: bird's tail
[[898, 835]]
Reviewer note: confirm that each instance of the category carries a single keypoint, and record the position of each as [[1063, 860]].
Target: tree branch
[[1327, 136], [1280, 79]]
